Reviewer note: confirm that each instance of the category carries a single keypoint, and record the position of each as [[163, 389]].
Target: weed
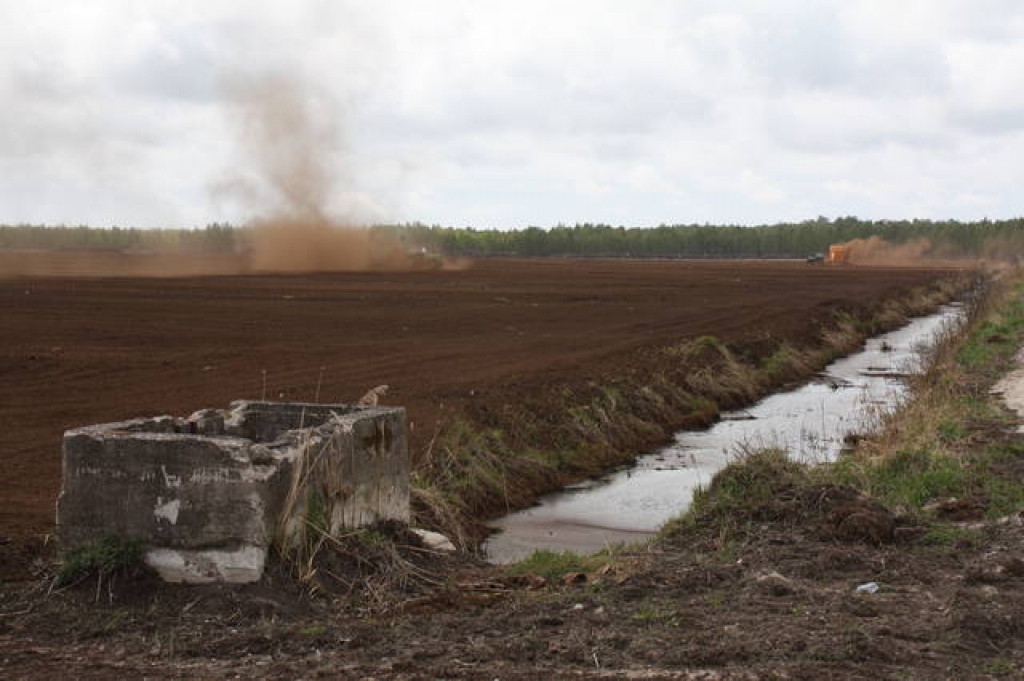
[[950, 430], [785, 363], [749, 488], [648, 614], [373, 537], [556, 564], [912, 478], [104, 557], [950, 535], [1001, 667], [1005, 496], [716, 600]]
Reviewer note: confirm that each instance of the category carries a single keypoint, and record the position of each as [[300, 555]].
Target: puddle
[[810, 422]]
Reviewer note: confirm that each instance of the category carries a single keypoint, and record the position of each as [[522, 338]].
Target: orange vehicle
[[838, 255]]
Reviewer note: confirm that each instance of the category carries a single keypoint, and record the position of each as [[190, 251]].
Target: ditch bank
[[497, 458], [811, 423]]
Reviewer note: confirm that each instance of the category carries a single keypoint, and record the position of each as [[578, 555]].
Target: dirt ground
[[781, 603], [83, 350], [700, 604]]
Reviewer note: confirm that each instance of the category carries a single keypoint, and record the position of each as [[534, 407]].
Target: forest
[[949, 238]]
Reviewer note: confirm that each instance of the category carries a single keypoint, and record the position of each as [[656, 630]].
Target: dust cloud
[[875, 250], [994, 253], [291, 167], [289, 173]]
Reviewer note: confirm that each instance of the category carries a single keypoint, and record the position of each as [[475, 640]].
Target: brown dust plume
[[292, 164], [875, 250]]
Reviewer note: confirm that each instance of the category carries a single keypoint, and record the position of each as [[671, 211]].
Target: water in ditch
[[809, 422]]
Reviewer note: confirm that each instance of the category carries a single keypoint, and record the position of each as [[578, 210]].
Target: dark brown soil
[[77, 351], [778, 599], [780, 603]]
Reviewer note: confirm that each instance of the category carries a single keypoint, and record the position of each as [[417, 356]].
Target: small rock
[[574, 578], [909, 533], [434, 540], [867, 588], [860, 607], [206, 422], [869, 525], [775, 584], [990, 571], [532, 581], [990, 592], [956, 509], [372, 396]]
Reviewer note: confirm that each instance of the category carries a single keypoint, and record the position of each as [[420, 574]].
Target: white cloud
[[528, 112]]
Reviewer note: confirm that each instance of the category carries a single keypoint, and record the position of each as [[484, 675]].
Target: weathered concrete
[[209, 495]]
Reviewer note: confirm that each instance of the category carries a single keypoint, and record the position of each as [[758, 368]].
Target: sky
[[493, 114]]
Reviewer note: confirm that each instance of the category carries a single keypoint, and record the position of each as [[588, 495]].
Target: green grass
[[1003, 667], [950, 440], [912, 478], [103, 557], [996, 338], [653, 613], [950, 430], [750, 486], [1005, 496], [949, 535], [553, 565], [953, 438]]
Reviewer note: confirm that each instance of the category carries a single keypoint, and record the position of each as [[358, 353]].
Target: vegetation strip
[[953, 449], [950, 453], [503, 457], [947, 238]]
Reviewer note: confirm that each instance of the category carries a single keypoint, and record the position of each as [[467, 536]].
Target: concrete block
[[208, 496]]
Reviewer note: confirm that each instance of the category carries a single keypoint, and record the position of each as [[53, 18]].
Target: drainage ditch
[[811, 422]]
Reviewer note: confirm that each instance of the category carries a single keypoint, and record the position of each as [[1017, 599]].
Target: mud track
[[79, 350]]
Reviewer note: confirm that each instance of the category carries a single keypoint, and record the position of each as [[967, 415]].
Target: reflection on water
[[809, 422]]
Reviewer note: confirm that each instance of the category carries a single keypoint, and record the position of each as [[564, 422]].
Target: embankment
[[495, 458]]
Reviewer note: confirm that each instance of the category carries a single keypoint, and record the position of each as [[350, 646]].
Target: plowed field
[[81, 350]]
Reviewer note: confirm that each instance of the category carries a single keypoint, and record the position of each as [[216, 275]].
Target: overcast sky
[[507, 114]]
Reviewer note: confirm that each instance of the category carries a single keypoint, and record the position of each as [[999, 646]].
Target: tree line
[[782, 240], [985, 238], [216, 237]]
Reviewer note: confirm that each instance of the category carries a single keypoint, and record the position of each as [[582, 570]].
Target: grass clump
[[950, 535], [104, 557], [553, 565], [911, 478], [997, 337], [760, 486]]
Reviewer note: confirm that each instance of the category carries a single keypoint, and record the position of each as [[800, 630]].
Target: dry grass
[[477, 466], [952, 439]]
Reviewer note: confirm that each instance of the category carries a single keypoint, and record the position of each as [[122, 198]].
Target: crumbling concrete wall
[[209, 495]]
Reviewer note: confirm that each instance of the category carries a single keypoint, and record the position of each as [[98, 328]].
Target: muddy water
[[810, 422]]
